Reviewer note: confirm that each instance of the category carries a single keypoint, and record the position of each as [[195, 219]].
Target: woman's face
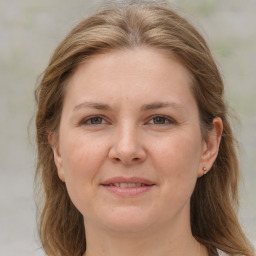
[[130, 148]]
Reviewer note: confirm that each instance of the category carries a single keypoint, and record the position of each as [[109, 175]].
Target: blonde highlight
[[128, 26]]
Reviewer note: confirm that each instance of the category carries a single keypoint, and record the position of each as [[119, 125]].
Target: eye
[[161, 120], [93, 120]]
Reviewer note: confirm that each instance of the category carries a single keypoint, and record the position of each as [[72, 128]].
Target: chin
[[128, 220], [128, 227]]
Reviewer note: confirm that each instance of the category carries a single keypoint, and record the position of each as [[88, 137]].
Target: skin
[[128, 141]]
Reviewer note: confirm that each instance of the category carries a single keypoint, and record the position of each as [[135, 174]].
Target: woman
[[135, 151]]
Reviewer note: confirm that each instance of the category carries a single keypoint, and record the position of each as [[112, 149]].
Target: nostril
[[127, 161]]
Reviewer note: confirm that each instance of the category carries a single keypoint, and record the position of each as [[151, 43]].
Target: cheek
[[178, 153], [81, 154], [177, 161], [82, 159]]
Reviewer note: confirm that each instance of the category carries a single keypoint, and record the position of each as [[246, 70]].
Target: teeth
[[127, 185]]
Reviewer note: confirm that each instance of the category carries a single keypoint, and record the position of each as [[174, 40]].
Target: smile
[[127, 185]]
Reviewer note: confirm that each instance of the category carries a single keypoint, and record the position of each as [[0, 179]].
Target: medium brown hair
[[214, 201]]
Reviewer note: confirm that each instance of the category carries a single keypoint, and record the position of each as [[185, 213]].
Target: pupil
[[96, 120], [159, 120]]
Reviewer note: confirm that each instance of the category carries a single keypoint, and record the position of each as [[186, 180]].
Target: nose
[[127, 147]]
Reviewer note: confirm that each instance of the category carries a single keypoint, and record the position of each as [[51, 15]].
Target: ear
[[57, 156], [210, 147]]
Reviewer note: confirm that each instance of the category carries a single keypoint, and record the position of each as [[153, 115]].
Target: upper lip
[[127, 180]]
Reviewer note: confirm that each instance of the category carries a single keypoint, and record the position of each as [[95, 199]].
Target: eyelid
[[88, 118], [169, 119]]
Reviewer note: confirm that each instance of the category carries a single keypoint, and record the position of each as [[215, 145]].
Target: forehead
[[133, 73], [148, 58]]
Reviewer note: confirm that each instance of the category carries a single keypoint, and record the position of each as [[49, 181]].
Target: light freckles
[[170, 155]]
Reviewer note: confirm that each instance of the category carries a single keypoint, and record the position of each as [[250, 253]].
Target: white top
[[221, 253]]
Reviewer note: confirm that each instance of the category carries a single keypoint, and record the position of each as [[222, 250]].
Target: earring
[[204, 170]]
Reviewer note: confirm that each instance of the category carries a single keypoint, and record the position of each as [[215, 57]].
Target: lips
[[120, 181], [128, 187]]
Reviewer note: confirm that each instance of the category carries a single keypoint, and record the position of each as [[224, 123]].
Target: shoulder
[[221, 253]]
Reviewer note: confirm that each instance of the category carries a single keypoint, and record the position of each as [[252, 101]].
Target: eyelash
[[164, 118], [84, 122]]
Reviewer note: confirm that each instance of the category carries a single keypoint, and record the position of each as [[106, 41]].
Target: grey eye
[[93, 120], [96, 120], [159, 120]]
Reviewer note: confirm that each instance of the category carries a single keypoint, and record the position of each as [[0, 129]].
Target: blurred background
[[30, 31]]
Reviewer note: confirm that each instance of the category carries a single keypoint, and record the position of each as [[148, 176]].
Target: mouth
[[127, 187]]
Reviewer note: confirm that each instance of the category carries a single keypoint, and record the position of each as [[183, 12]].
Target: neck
[[162, 242]]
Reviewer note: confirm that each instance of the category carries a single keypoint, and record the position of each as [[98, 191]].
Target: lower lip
[[134, 191]]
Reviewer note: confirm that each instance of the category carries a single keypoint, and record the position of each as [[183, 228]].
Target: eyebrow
[[145, 107], [157, 105], [95, 105]]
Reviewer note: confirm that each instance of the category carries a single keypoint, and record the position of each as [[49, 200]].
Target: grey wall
[[29, 32]]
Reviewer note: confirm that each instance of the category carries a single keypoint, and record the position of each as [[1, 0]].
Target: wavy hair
[[214, 201]]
